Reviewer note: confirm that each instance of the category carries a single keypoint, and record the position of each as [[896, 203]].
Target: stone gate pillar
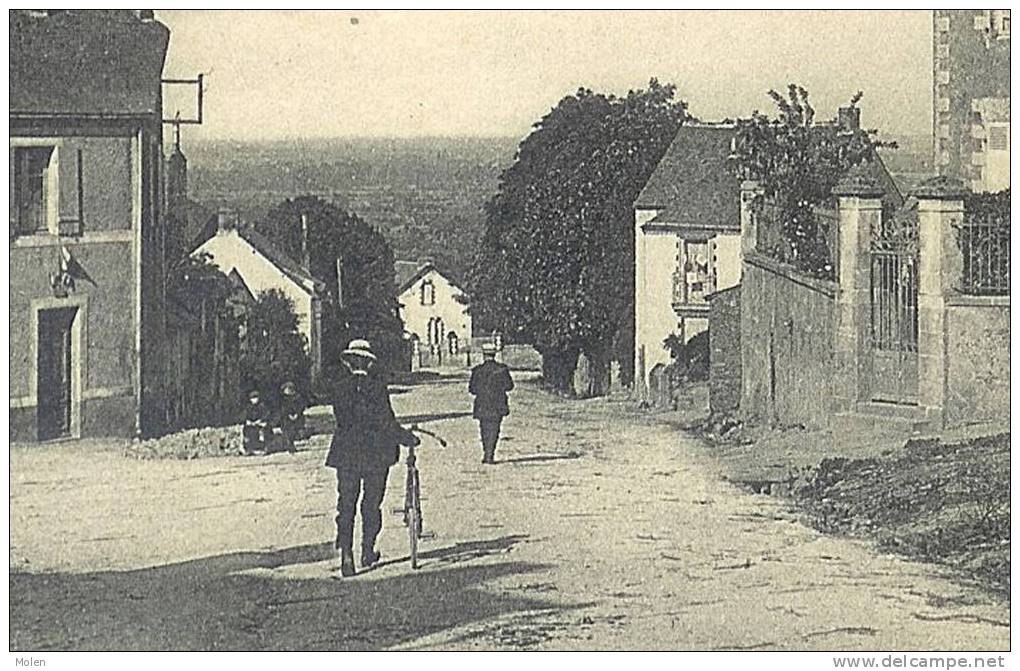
[[749, 192], [860, 213], [940, 267]]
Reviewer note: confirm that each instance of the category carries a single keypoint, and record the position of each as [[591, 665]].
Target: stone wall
[[724, 352], [977, 359], [787, 326]]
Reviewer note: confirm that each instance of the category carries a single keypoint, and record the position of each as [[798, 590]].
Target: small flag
[[70, 267]]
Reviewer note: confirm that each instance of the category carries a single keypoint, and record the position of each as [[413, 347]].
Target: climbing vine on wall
[[796, 163]]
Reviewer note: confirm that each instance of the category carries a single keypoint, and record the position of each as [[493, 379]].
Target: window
[[1000, 22], [697, 271], [998, 137], [428, 293], [31, 184], [996, 172]]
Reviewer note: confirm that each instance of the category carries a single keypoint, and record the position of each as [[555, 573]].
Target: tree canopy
[[363, 303], [796, 163], [556, 264], [273, 351]]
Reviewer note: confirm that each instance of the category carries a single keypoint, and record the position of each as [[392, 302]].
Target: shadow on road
[[237, 602], [434, 417], [539, 457]]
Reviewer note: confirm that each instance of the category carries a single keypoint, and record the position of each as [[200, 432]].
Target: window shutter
[[998, 138], [69, 200], [12, 198]]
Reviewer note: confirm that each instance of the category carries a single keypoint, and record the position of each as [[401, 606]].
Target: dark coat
[[367, 434], [490, 381], [256, 413]]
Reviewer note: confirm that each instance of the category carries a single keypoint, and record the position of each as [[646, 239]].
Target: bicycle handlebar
[[417, 429]]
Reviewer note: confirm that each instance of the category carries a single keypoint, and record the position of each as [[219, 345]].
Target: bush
[[690, 359], [218, 441]]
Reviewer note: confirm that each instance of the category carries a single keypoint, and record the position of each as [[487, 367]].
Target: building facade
[[87, 292], [244, 253], [971, 97], [687, 241], [433, 311]]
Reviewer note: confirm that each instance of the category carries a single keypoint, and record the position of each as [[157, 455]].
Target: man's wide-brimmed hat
[[489, 348], [360, 348], [254, 393]]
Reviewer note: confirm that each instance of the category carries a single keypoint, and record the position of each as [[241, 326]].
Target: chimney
[[305, 261], [145, 14], [226, 220], [849, 119]]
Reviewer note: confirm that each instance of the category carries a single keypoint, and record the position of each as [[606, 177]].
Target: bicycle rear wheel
[[413, 517]]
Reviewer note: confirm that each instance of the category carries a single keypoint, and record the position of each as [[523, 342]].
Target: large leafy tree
[[362, 303], [797, 162], [273, 350], [556, 263]]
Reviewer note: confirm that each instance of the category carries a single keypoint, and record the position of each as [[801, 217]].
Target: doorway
[[54, 371]]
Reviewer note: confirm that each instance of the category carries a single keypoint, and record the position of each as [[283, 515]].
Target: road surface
[[599, 528]]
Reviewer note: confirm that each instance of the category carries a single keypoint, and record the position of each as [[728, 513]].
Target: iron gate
[[894, 266]]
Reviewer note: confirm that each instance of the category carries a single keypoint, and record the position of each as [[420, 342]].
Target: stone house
[[434, 311], [971, 81], [687, 241], [241, 252], [87, 281]]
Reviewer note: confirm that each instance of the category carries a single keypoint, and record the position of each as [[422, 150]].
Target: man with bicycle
[[365, 445]]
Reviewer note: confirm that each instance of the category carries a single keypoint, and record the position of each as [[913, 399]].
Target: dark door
[[53, 387]]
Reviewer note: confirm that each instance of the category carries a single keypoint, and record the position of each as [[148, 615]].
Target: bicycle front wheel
[[413, 518]]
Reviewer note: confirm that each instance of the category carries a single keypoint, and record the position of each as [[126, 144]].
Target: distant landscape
[[425, 195]]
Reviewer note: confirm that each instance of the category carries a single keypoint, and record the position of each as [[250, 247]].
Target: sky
[[286, 74]]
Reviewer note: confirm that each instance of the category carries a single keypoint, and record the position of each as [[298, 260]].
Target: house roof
[[694, 190], [269, 251], [278, 258], [409, 272], [91, 63], [692, 186]]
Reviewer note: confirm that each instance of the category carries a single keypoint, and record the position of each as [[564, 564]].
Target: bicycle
[[412, 496]]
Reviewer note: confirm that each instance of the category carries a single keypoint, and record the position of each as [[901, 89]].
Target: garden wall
[[724, 350], [786, 353], [977, 359]]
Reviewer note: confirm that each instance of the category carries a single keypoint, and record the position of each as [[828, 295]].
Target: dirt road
[[599, 528]]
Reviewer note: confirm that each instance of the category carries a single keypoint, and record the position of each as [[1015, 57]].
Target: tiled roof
[[691, 185], [104, 63], [409, 272], [693, 188], [278, 258]]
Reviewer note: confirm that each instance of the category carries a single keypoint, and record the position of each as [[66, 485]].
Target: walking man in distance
[[365, 445], [490, 381]]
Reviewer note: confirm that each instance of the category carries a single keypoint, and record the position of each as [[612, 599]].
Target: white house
[[687, 240], [432, 308], [262, 266]]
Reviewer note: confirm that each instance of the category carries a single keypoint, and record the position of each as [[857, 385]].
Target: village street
[[600, 527]]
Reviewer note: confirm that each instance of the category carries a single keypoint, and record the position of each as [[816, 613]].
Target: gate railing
[[894, 299], [984, 245]]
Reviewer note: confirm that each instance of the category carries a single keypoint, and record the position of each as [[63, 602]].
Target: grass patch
[[943, 503]]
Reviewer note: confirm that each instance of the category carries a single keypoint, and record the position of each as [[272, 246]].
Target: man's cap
[[254, 393], [289, 388], [488, 348], [359, 347]]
